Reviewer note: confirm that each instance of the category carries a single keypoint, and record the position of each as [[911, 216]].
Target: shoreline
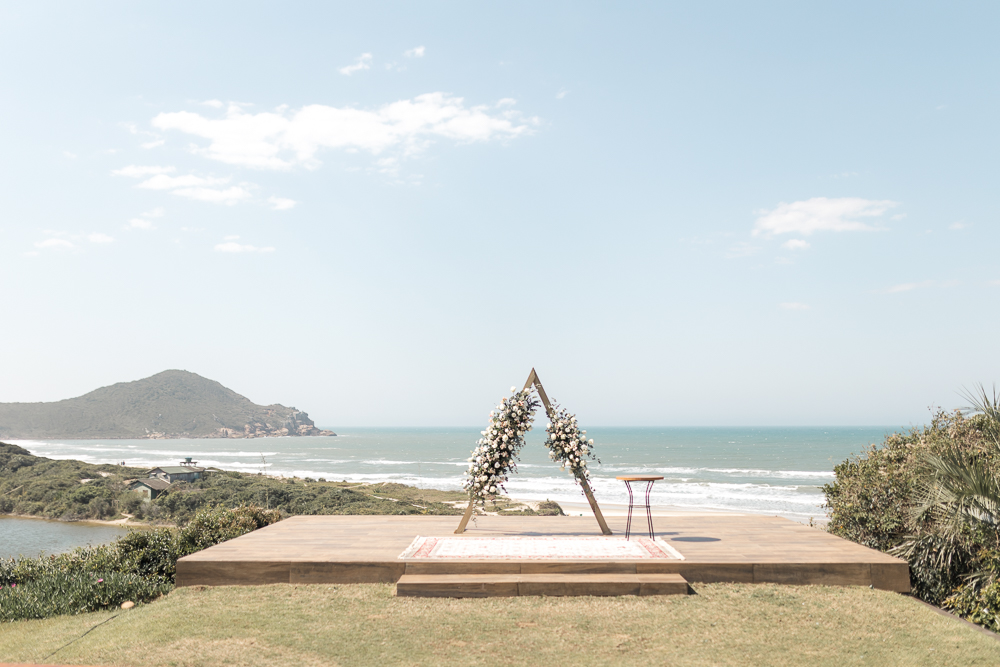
[[123, 523]]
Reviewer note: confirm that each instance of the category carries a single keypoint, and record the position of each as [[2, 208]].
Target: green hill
[[171, 404]]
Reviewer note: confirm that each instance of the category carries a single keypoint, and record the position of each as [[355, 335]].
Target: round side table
[[649, 479]]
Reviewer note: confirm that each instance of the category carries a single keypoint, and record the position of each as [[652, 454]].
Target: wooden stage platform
[[716, 548]]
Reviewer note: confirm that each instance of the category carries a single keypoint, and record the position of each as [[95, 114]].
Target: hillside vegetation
[[169, 404], [73, 490]]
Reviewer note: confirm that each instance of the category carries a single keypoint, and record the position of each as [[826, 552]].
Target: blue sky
[[387, 213]]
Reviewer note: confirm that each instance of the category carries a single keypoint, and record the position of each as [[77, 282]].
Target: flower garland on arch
[[568, 444], [496, 452]]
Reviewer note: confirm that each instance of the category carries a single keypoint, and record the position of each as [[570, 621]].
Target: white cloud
[[956, 226], [820, 214], [54, 243], [134, 171], [231, 238], [153, 144], [227, 196], [561, 94], [31, 253], [795, 244], [363, 62], [281, 204], [906, 287], [71, 156], [164, 182], [139, 223], [791, 305], [232, 246], [157, 212], [741, 249], [417, 52], [283, 139], [192, 187], [217, 104], [99, 238]]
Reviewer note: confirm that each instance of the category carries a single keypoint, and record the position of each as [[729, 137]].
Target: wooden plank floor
[[358, 549]]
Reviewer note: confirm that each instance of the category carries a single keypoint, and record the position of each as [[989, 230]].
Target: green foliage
[[38, 486], [978, 604], [75, 593], [68, 490], [883, 499], [139, 566], [550, 508], [218, 525], [183, 500]]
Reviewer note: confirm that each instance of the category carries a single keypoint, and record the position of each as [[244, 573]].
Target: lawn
[[364, 624]]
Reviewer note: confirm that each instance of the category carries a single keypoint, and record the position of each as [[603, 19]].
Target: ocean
[[764, 470]]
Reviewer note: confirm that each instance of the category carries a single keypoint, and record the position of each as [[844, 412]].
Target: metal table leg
[[649, 510], [628, 523]]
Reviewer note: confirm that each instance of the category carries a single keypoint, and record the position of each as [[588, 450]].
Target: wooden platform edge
[[883, 576]]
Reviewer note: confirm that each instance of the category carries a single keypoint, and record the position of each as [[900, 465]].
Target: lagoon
[[21, 536]]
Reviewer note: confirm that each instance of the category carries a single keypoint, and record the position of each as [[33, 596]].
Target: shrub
[[139, 566], [58, 593], [979, 605], [550, 508], [875, 500], [218, 525]]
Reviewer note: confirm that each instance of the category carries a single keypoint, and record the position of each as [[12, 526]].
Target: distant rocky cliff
[[171, 404]]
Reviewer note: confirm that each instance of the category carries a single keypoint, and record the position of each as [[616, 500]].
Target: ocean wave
[[742, 472]]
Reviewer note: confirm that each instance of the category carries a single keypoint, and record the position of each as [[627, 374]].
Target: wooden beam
[[465, 519]]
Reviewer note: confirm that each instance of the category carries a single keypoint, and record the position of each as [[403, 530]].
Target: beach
[[758, 470]]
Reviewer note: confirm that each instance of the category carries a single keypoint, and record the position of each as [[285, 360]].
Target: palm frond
[[960, 491], [981, 403]]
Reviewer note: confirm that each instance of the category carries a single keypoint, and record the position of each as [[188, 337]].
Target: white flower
[[554, 436], [513, 389], [493, 489], [591, 441]]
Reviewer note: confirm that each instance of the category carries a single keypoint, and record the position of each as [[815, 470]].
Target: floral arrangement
[[496, 452], [567, 444]]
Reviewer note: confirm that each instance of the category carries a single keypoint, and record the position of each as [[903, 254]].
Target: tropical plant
[[957, 515], [879, 499]]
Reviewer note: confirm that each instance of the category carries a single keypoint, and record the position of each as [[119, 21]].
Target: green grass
[[363, 624]]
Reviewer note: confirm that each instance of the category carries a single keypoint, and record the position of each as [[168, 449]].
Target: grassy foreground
[[364, 624]]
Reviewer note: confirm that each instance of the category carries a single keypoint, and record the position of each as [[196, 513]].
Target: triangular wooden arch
[[533, 380]]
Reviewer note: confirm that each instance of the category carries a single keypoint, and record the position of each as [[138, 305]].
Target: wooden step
[[510, 585]]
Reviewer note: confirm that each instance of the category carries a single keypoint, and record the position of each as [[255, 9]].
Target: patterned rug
[[539, 548]]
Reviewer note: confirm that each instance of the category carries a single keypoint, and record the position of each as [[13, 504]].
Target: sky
[[386, 214]]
